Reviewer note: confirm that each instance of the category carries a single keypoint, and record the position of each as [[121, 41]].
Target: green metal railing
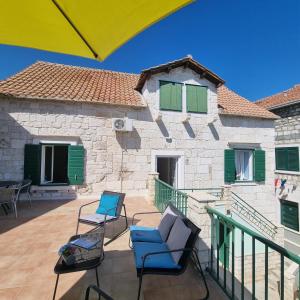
[[165, 193], [254, 217], [268, 244]]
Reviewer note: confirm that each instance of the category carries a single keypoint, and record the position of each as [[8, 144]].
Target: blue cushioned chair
[[109, 210], [149, 234], [156, 258]]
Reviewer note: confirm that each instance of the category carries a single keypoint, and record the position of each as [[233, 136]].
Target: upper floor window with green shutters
[[287, 158], [196, 98], [170, 96]]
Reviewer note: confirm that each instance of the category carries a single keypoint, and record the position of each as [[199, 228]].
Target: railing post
[[151, 186], [227, 198]]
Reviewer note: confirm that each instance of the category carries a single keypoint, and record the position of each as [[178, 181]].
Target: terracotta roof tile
[[50, 81], [281, 99], [44, 80], [233, 104]]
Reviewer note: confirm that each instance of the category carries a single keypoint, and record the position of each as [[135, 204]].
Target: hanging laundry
[[283, 182]]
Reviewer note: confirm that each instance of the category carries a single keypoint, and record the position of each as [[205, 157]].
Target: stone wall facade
[[123, 161], [288, 134]]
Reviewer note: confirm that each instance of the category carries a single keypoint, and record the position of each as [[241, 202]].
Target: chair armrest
[[84, 206], [163, 252], [98, 291], [144, 213]]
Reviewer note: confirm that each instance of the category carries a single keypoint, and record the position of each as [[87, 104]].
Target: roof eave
[[248, 116], [185, 62], [65, 100], [283, 105]]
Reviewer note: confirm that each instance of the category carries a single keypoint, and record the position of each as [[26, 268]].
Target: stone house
[[287, 174], [60, 127]]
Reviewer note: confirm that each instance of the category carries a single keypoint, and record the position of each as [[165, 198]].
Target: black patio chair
[[25, 189], [110, 215], [11, 196], [100, 293], [187, 253]]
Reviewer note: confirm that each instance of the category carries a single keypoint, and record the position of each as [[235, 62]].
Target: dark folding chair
[[100, 292], [97, 219], [188, 252]]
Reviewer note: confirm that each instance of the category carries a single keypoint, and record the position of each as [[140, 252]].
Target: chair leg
[[198, 264], [140, 286], [15, 209], [125, 214], [56, 283], [97, 278], [77, 227], [29, 198], [98, 284], [4, 208]]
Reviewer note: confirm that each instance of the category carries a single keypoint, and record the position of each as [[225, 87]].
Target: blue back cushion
[[108, 204], [161, 261]]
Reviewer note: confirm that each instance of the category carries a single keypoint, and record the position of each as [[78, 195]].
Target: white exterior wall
[[201, 146]]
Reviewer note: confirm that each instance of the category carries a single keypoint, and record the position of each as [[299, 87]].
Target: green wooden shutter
[[293, 159], [281, 159], [259, 165], [75, 164], [32, 163], [287, 158], [196, 98], [170, 96], [290, 214], [229, 165]]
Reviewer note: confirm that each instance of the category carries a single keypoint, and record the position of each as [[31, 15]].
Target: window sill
[[244, 183], [287, 172], [53, 187]]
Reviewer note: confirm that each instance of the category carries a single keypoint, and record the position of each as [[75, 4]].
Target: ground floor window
[[47, 164], [54, 164], [290, 214]]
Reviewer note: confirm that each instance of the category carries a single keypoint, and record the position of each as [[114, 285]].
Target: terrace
[[240, 262], [29, 252]]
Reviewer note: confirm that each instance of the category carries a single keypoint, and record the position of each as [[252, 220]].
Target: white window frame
[[250, 164], [43, 164]]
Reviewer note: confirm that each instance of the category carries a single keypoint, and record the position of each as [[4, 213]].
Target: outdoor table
[[62, 268], [7, 183], [4, 184]]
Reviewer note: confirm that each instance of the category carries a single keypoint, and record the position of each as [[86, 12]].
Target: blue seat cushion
[[145, 234], [158, 261], [108, 204]]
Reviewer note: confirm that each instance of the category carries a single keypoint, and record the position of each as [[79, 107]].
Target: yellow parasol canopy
[[89, 28]]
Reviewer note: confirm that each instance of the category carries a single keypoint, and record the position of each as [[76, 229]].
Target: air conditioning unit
[[122, 124]]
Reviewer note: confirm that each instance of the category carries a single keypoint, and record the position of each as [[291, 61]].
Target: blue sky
[[253, 45]]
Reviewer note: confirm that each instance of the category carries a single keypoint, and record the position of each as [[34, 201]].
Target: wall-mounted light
[[186, 118]]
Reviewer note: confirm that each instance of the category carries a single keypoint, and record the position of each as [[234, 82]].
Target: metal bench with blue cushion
[[169, 257], [154, 234]]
